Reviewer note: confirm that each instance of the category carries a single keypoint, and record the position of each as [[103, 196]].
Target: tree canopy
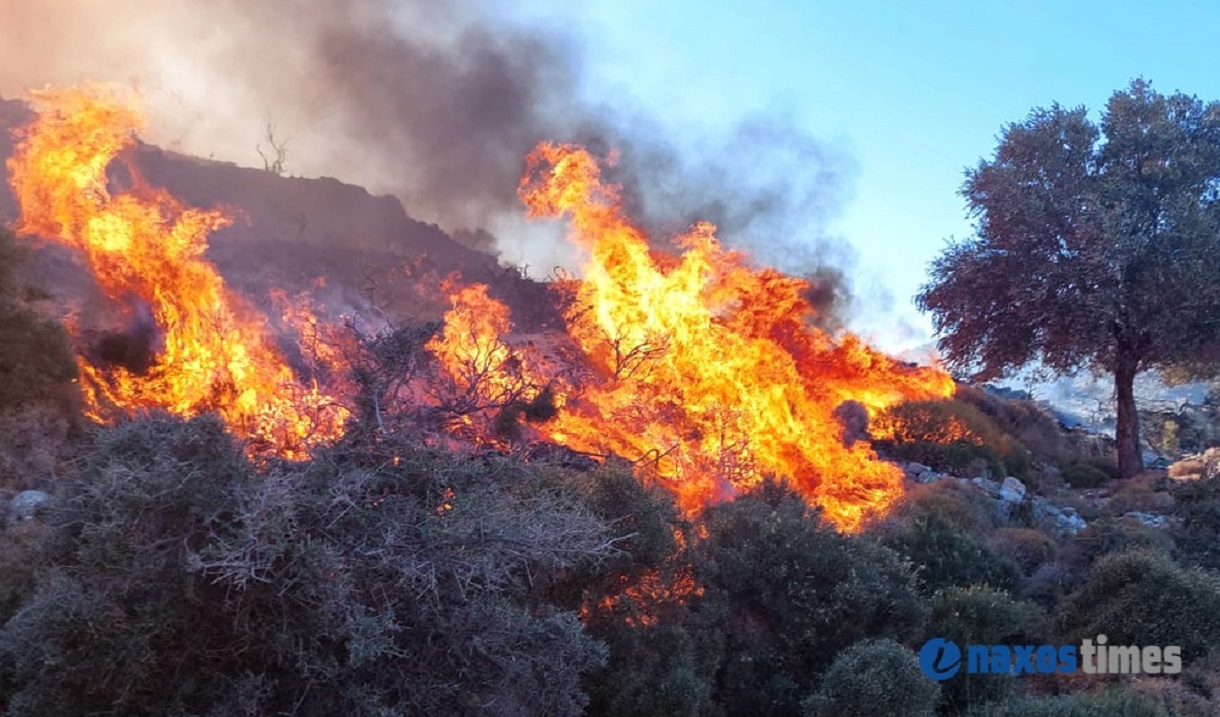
[[1096, 245]]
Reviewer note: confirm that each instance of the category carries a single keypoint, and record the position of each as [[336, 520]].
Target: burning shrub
[[1145, 598], [874, 677], [949, 436], [360, 583]]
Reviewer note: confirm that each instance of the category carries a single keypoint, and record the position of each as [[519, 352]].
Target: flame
[[217, 354], [711, 373]]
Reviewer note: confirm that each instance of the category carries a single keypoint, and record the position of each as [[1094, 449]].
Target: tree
[[1095, 247]]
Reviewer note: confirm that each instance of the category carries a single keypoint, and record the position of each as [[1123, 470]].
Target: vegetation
[[169, 575], [1095, 246]]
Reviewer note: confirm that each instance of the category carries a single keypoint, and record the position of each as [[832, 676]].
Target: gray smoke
[[435, 102]]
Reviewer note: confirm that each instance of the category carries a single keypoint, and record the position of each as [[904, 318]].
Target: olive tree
[[1095, 246]]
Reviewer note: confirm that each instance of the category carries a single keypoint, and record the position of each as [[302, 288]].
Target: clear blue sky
[[914, 91]]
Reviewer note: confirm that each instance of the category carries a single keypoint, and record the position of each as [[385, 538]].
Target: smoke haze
[[434, 102]]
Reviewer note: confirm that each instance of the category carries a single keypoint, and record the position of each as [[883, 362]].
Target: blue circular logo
[[940, 659]]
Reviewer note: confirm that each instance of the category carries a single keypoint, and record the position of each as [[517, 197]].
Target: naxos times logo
[[941, 659]]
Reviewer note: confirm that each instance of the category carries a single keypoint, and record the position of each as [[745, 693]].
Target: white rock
[[1012, 490], [25, 505]]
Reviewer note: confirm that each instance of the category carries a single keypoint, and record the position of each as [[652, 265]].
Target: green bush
[[1145, 598], [949, 436], [963, 506], [979, 616], [948, 557], [653, 670], [1198, 536], [874, 677], [786, 593], [1084, 474], [37, 366], [1112, 703]]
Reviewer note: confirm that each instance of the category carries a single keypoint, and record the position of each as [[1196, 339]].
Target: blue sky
[[914, 92]]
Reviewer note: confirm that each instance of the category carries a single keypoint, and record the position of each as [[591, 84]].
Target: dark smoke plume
[[435, 102]]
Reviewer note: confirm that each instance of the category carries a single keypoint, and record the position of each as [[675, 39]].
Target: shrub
[[1112, 703], [37, 366], [1083, 474], [787, 593], [1198, 507], [963, 506], [949, 436], [354, 584], [653, 670], [979, 616], [1145, 598], [947, 557], [1027, 547], [874, 677], [1108, 536]]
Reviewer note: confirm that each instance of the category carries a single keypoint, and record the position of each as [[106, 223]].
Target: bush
[[786, 593], [37, 366], [949, 436], [356, 584], [963, 506], [1113, 703], [1027, 547], [1198, 536], [947, 557], [1086, 474], [874, 677], [1145, 598], [979, 616]]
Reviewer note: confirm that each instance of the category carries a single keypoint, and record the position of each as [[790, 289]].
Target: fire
[[710, 372], [142, 245]]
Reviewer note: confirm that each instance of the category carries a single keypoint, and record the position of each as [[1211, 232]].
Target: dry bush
[[1027, 547]]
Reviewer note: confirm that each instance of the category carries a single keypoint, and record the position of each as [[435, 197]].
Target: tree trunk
[[1127, 430]]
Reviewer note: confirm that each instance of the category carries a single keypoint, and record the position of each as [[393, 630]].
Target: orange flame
[[711, 371], [218, 354]]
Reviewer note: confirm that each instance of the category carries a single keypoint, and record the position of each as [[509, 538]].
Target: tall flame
[[712, 372], [218, 354]]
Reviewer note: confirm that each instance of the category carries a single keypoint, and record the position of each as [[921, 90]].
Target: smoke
[[435, 102]]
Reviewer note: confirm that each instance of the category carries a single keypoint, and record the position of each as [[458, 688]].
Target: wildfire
[[707, 372], [142, 245], [711, 371]]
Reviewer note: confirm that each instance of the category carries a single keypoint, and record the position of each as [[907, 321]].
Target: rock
[[915, 470], [1012, 490], [989, 486], [1070, 523], [26, 504], [1152, 520]]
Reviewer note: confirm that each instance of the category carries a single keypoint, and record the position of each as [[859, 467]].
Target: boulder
[[1152, 520], [26, 504], [1012, 490]]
